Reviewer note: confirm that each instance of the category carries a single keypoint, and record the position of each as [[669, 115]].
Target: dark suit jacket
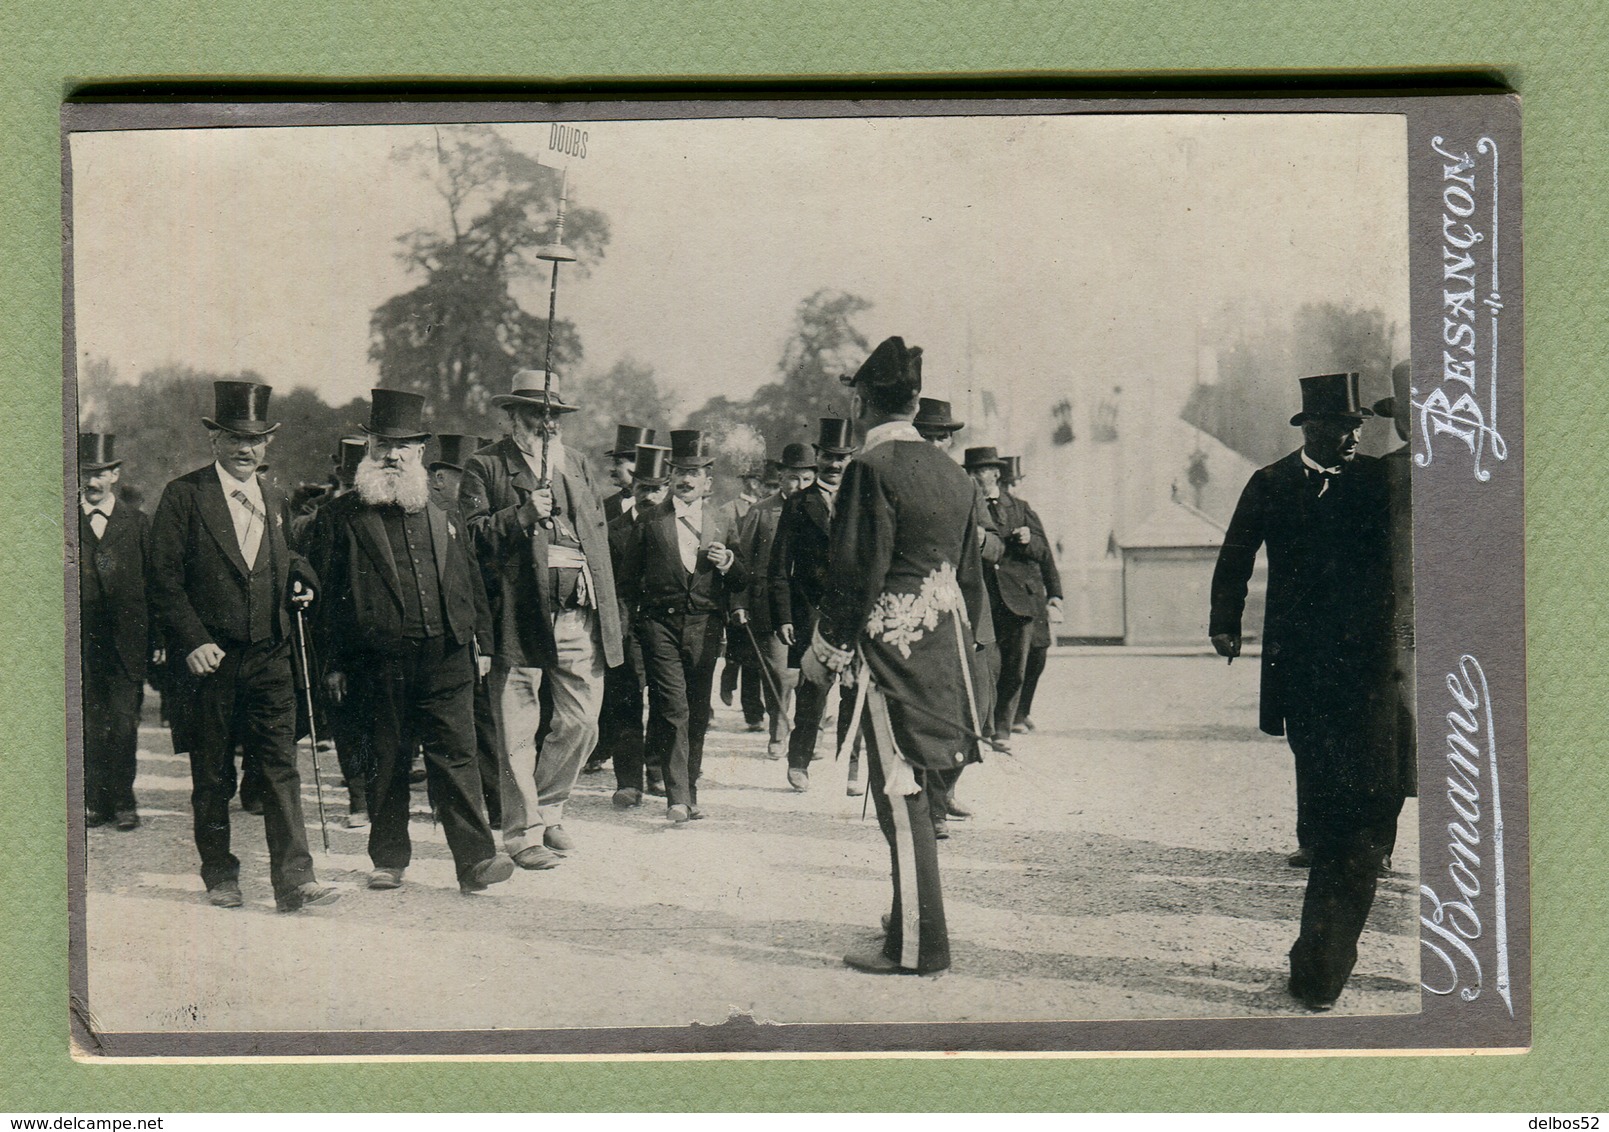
[[798, 565], [512, 545], [197, 583], [614, 504], [756, 534], [1017, 583], [1327, 646], [653, 582], [112, 569], [360, 612]]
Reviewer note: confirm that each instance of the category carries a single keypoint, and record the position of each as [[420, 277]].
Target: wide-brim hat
[[690, 448], [1331, 396], [797, 456], [627, 437], [95, 452], [934, 415], [652, 466], [396, 414], [530, 387], [241, 407], [456, 448], [836, 437], [983, 456]]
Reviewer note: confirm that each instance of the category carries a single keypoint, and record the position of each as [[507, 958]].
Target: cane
[[771, 680], [312, 727]]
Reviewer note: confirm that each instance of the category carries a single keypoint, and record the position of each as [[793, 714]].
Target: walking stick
[[312, 726], [772, 682], [555, 253]]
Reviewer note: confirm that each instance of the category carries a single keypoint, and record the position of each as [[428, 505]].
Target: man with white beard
[[406, 632]]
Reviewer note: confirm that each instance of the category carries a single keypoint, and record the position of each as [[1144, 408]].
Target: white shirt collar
[[889, 430], [251, 486], [828, 489], [688, 510], [111, 502], [1316, 466], [628, 503]]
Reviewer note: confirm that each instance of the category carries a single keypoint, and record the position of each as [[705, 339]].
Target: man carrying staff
[[221, 581], [541, 534], [621, 737], [903, 585], [114, 633], [798, 576], [406, 633], [1328, 657], [677, 573]]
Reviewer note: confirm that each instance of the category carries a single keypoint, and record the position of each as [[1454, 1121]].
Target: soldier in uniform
[[798, 572], [406, 632], [677, 572], [1050, 612], [621, 737], [220, 582], [554, 607], [902, 589], [1324, 514], [114, 632], [622, 462]]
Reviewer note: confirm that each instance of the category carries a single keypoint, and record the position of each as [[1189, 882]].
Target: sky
[[1026, 255]]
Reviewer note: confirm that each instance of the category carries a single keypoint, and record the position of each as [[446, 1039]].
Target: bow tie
[[94, 511], [1325, 475]]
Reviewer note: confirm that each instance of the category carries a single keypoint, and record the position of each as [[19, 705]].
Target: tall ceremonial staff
[[555, 253]]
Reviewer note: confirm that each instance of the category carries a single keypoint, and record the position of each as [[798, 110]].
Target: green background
[[1553, 54]]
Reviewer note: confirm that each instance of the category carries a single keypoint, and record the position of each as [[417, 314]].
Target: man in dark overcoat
[[1050, 612], [540, 532], [1324, 515], [406, 633], [622, 468], [677, 573], [798, 572], [903, 587], [114, 632], [220, 583]]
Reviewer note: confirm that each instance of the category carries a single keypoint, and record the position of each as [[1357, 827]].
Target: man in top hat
[[221, 585], [1016, 583], [622, 462], [677, 572], [756, 535], [903, 587], [1047, 612], [114, 632], [447, 469], [621, 737], [798, 574], [406, 633], [1323, 513], [539, 526], [742, 667]]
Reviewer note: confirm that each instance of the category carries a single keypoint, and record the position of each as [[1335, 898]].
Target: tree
[[625, 393], [459, 336]]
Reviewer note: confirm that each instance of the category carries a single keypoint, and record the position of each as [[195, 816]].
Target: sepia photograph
[[621, 575]]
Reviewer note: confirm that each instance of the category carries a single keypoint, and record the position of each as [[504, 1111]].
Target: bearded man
[[406, 632]]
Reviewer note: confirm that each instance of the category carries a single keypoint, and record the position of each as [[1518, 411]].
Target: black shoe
[[1301, 859], [1385, 866], [309, 895], [416, 776], [253, 807], [493, 870], [941, 829], [95, 821], [656, 784], [799, 778], [627, 797], [1309, 1001], [594, 768], [127, 820], [225, 894], [876, 963], [955, 810]]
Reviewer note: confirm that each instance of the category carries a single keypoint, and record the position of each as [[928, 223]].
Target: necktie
[[1324, 475], [251, 538]]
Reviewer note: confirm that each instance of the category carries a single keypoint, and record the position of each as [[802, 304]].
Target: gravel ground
[[1128, 861]]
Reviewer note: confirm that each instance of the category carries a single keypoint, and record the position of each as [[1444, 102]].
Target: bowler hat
[[455, 449], [529, 387], [396, 414], [651, 470], [934, 416], [1012, 472], [797, 456], [627, 437], [982, 457], [837, 437], [1331, 395], [892, 369], [241, 407], [690, 448], [95, 452]]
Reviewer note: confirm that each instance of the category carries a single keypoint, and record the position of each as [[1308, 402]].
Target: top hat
[[529, 388], [95, 452], [690, 448], [982, 457], [837, 437], [1331, 395], [893, 368], [455, 449], [650, 470], [797, 456], [349, 453], [627, 437], [934, 416], [240, 407], [396, 414], [1012, 472]]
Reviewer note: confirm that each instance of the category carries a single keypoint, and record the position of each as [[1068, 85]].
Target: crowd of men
[[492, 610]]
